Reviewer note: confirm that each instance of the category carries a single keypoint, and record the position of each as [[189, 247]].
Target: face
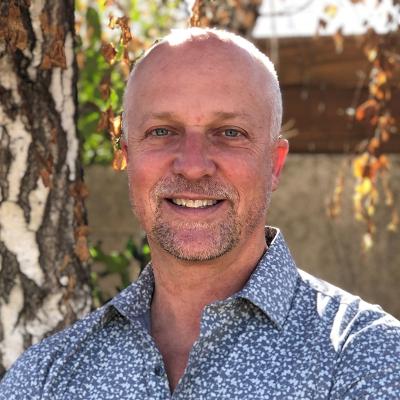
[[201, 162]]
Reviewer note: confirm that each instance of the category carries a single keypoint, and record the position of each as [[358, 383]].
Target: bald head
[[201, 51]]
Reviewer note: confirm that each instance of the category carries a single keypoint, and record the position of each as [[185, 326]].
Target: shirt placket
[[157, 380], [211, 324]]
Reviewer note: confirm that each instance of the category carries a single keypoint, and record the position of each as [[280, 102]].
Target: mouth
[[197, 203]]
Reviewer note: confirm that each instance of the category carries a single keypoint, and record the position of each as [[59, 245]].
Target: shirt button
[[159, 370]]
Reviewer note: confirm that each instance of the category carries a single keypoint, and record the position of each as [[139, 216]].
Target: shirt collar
[[135, 300], [272, 284], [270, 287]]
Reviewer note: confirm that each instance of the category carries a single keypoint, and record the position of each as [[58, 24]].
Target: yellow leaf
[[359, 165], [365, 187], [112, 21], [381, 78], [119, 161], [331, 10], [116, 126], [367, 242], [394, 223], [372, 53]]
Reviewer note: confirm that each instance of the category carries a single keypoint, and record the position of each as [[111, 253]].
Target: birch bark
[[43, 247]]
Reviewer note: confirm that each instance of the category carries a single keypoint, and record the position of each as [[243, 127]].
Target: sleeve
[[369, 364], [25, 379]]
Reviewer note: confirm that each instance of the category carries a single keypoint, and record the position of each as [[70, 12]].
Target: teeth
[[194, 203]]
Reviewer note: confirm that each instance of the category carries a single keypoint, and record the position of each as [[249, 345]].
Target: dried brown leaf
[[103, 122], [82, 230], [105, 87], [82, 249], [338, 39], [195, 17], [367, 110], [108, 51], [373, 144], [126, 35]]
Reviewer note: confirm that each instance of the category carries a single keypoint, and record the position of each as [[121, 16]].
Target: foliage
[[369, 164], [117, 263], [233, 15], [106, 52]]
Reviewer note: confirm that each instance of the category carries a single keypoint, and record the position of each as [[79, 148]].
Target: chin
[[196, 243]]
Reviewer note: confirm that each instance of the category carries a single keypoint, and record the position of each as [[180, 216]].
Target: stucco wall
[[328, 249]]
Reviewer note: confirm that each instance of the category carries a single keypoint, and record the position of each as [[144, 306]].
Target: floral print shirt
[[285, 335]]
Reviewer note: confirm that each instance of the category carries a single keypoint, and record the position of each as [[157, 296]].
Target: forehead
[[200, 55], [202, 74]]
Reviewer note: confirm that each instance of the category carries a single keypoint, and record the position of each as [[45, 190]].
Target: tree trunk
[[43, 248]]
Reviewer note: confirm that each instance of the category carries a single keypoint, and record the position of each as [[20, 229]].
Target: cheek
[[248, 172], [251, 178], [141, 179], [146, 168]]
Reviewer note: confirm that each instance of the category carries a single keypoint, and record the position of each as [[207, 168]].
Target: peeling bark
[[43, 269]]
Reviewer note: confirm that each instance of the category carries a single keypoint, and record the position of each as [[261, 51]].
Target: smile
[[194, 203]]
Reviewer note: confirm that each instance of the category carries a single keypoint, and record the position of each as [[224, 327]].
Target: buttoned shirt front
[[285, 335]]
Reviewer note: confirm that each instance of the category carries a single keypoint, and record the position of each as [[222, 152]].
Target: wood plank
[[315, 60], [323, 127], [319, 85]]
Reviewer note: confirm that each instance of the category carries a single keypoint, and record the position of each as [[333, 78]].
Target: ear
[[281, 148]]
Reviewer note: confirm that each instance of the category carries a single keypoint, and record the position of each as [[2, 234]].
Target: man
[[222, 312]]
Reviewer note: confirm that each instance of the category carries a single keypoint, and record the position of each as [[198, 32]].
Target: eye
[[159, 132], [232, 133]]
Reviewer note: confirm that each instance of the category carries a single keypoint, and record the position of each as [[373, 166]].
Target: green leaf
[[93, 21]]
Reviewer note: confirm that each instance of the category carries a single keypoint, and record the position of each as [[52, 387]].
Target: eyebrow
[[217, 116]]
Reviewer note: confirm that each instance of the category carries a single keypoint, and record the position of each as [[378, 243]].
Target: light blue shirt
[[285, 335]]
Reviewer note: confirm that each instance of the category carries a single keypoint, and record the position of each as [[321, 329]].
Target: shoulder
[[347, 314], [364, 337], [29, 374]]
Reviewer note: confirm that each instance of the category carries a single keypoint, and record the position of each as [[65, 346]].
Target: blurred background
[[338, 65]]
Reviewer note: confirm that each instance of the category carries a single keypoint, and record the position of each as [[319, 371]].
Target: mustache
[[210, 187]]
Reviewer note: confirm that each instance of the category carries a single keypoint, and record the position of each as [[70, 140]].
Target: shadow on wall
[[329, 249]]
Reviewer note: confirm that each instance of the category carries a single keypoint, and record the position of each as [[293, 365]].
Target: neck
[[183, 289]]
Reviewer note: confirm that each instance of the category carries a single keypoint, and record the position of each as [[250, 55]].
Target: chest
[[245, 361]]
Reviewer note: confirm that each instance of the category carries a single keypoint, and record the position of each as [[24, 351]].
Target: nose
[[193, 160]]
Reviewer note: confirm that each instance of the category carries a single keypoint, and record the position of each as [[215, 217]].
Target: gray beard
[[222, 236], [225, 237]]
